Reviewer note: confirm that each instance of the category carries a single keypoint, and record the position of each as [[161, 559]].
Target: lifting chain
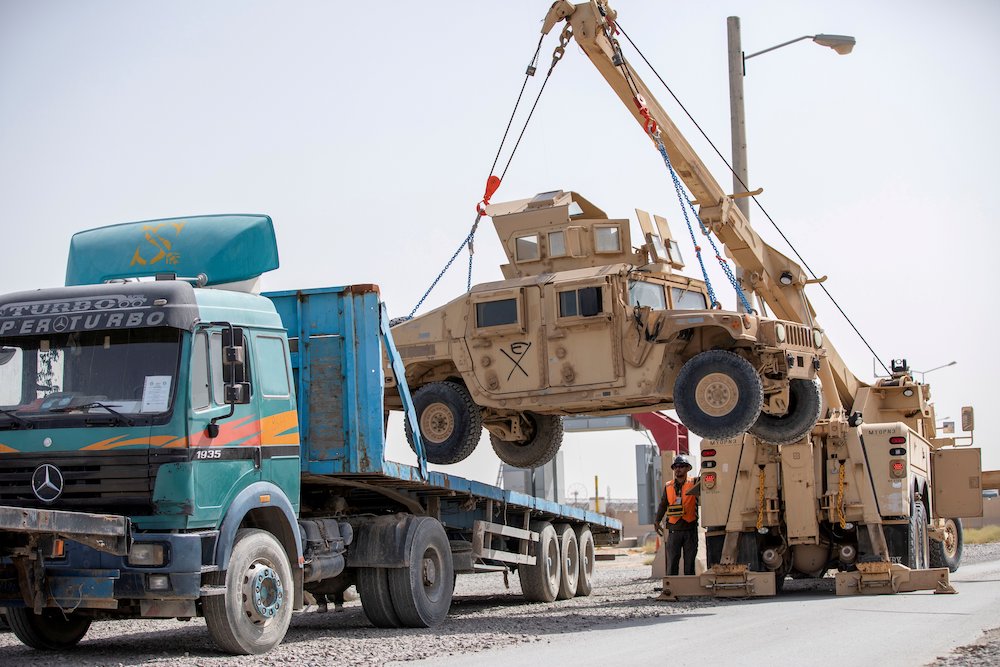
[[760, 500], [840, 497]]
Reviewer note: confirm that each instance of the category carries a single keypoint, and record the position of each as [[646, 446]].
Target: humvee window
[[647, 294], [557, 244], [496, 313], [687, 300], [584, 302], [527, 248], [607, 239]]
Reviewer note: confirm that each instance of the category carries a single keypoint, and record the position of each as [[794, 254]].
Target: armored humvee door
[[504, 338]]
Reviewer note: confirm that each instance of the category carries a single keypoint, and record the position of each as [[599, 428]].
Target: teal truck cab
[[174, 444]]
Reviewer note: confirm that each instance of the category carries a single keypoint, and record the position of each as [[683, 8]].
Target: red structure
[[668, 434]]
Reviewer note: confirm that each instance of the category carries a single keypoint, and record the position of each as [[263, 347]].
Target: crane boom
[[591, 24]]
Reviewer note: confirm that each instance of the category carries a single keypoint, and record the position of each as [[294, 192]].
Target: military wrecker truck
[[583, 323], [183, 446]]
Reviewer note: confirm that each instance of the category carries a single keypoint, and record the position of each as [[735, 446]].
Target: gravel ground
[[484, 615]]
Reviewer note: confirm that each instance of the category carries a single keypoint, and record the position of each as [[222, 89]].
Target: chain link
[[465, 242]]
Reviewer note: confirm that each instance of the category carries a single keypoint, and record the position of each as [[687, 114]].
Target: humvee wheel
[[718, 395], [540, 447], [804, 406], [948, 552], [450, 422]]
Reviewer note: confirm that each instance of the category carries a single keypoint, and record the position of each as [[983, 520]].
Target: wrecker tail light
[[897, 440], [147, 554], [708, 480], [707, 452], [898, 468]]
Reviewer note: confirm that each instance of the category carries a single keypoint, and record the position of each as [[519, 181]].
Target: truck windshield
[[114, 373]]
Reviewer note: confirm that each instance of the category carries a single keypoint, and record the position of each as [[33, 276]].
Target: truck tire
[[718, 395], [585, 542], [917, 556], [540, 582], [569, 561], [948, 552], [421, 594], [376, 601], [804, 406], [450, 422], [540, 448], [48, 631], [253, 615]]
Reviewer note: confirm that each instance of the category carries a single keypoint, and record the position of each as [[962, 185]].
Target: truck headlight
[[779, 332], [147, 554]]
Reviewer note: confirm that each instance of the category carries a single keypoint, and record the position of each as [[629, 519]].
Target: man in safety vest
[[679, 505]]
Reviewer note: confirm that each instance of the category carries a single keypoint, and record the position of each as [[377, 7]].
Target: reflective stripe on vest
[[683, 506]]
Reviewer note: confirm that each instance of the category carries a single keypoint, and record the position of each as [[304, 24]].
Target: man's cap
[[680, 461]]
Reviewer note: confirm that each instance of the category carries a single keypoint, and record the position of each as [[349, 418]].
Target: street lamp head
[[842, 44]]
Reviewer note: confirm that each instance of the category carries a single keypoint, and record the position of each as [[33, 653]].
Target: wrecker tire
[[48, 631], [804, 406], [948, 552], [540, 582], [569, 561], [450, 422], [376, 601], [718, 395], [917, 542], [537, 450], [252, 616], [421, 594], [585, 542]]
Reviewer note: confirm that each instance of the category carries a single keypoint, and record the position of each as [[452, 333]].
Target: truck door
[[956, 475], [503, 335], [583, 347]]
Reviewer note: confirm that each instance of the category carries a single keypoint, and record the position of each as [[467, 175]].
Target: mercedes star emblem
[[47, 482]]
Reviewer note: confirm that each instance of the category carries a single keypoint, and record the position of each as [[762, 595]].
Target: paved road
[[815, 628]]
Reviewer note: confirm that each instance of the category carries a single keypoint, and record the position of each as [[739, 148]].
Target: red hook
[[492, 183]]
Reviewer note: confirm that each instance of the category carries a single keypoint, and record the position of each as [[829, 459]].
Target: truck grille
[[120, 481]]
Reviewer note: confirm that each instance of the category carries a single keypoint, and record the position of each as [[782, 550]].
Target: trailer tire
[[718, 394], [540, 582], [804, 406], [252, 617], [376, 601], [585, 542], [538, 449], [421, 593], [569, 561], [48, 631], [450, 422], [948, 552]]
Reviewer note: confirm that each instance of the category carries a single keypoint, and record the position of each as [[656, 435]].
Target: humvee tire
[[804, 406], [450, 422], [718, 395], [948, 552], [538, 449]]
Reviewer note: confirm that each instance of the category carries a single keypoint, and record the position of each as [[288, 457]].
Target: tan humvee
[[584, 324]]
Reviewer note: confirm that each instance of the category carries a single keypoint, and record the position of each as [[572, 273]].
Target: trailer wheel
[[948, 552], [450, 422], [48, 631], [421, 593], [253, 615], [546, 435], [718, 395], [376, 601], [540, 582], [804, 406], [569, 561], [585, 542]]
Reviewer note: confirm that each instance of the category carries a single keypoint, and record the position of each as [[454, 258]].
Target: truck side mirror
[[237, 389], [968, 419]]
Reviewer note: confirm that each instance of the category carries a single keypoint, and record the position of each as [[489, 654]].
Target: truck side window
[[496, 313], [641, 293], [584, 302], [607, 239], [526, 248], [687, 299], [557, 244], [200, 381], [272, 369]]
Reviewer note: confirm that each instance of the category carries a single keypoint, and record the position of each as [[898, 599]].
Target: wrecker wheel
[[948, 552], [540, 448], [804, 406], [718, 395], [48, 631], [450, 422]]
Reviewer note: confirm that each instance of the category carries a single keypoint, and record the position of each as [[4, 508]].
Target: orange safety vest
[[683, 507]]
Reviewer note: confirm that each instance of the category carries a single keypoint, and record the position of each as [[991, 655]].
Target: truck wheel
[[569, 561], [421, 593], [804, 406], [917, 547], [450, 422], [48, 631], [948, 552], [253, 615], [376, 601], [540, 582], [585, 542], [540, 448], [718, 395]]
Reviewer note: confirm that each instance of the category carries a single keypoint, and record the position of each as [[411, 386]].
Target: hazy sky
[[366, 131]]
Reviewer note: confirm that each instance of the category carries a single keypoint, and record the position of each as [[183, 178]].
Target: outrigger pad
[[884, 578], [721, 581]]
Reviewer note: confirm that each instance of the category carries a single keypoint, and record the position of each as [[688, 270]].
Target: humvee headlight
[[779, 332], [817, 338]]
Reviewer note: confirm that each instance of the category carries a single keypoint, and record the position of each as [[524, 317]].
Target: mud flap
[[883, 578], [721, 581]]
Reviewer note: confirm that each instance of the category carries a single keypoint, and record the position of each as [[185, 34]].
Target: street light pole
[[923, 374]]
